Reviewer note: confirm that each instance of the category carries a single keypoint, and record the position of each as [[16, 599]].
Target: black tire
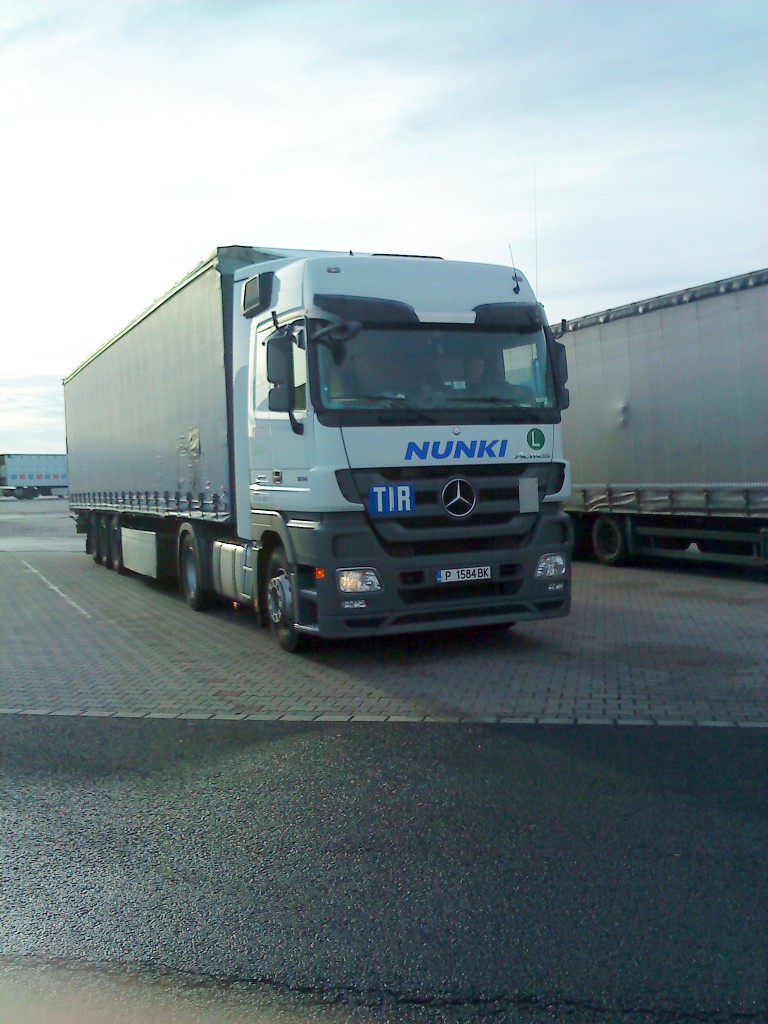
[[191, 574], [115, 545], [96, 538], [609, 542], [280, 602], [105, 541]]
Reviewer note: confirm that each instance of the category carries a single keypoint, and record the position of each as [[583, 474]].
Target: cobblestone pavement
[[643, 646]]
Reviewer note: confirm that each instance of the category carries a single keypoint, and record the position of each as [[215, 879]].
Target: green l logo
[[536, 439]]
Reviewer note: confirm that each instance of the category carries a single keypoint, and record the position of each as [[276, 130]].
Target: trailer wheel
[[115, 545], [96, 538], [90, 536], [280, 602], [104, 530], [609, 542], [190, 572]]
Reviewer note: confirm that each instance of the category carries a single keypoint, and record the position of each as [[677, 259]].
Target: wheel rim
[[100, 551], [115, 544], [279, 601], [190, 572], [608, 540]]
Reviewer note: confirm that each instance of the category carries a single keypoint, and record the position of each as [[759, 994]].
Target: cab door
[[281, 456]]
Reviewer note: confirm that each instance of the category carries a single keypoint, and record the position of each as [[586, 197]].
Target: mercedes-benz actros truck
[[353, 445]]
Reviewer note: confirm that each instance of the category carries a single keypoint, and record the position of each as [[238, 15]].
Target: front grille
[[417, 522], [494, 524], [458, 545]]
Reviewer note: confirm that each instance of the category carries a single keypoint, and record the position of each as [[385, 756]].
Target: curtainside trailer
[[668, 428]]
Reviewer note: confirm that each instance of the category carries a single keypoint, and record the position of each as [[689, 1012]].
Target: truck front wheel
[[280, 602], [609, 542]]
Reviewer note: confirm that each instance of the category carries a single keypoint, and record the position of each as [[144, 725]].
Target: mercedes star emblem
[[459, 497]]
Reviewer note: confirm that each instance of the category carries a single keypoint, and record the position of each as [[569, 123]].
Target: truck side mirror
[[280, 358], [280, 398], [280, 373]]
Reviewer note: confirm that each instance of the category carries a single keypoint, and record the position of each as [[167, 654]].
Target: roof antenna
[[536, 225], [514, 270]]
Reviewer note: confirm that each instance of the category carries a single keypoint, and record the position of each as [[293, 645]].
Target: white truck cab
[[403, 445]]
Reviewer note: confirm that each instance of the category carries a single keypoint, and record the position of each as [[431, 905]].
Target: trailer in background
[[668, 426], [31, 476]]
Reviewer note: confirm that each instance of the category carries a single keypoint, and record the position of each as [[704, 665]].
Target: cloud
[[31, 415], [144, 134]]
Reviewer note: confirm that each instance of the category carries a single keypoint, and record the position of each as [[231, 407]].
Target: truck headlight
[[357, 581], [551, 564]]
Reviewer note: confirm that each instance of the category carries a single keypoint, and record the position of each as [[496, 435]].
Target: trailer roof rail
[[685, 296]]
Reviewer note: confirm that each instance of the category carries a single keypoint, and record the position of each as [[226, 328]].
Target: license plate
[[472, 572]]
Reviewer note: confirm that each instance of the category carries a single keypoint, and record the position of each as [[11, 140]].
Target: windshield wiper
[[534, 410], [398, 402], [481, 399], [520, 413], [386, 397], [505, 403]]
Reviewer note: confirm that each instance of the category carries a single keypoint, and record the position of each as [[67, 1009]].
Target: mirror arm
[[296, 427]]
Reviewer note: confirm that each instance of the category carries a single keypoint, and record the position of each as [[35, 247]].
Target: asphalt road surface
[[375, 871]]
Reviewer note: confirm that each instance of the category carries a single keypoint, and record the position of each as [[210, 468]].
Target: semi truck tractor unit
[[354, 445], [668, 430]]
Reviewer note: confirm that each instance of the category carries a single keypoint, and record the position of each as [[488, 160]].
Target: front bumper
[[411, 600]]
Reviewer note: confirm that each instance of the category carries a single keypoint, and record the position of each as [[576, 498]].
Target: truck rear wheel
[[115, 545], [190, 572], [280, 602], [609, 542], [105, 540], [90, 537], [96, 538]]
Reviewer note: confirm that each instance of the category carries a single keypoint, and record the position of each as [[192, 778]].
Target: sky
[[616, 149]]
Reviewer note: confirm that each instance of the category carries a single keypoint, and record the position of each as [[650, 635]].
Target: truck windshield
[[437, 367]]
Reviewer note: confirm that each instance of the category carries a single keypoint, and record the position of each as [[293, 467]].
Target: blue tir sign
[[391, 500]]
